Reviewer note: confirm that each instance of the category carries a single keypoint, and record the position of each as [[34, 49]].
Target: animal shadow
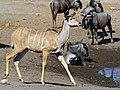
[[90, 60], [58, 84], [4, 46], [106, 41]]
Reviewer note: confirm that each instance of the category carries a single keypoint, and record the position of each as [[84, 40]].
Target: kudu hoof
[[74, 84], [43, 83], [21, 80]]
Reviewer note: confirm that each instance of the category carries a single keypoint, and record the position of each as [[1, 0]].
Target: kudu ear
[[73, 14]]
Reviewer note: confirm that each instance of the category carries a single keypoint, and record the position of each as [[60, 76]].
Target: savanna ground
[[36, 14]]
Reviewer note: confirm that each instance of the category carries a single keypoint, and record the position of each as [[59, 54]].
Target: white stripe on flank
[[39, 38], [22, 36], [29, 37], [42, 38], [34, 39], [13, 40], [19, 33]]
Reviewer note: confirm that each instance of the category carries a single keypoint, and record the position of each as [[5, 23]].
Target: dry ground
[[36, 15]]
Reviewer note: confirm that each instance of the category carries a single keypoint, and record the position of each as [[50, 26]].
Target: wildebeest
[[92, 6], [61, 6], [97, 5], [95, 21], [76, 53]]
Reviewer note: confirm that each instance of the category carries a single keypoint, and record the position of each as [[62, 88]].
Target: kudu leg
[[44, 63], [8, 57], [62, 60], [16, 63]]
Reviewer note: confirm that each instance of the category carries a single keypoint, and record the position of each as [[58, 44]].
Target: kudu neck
[[64, 34]]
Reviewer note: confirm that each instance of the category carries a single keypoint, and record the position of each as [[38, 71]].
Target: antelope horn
[[73, 14]]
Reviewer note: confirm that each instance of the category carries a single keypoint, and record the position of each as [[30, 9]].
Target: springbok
[[24, 39], [63, 6]]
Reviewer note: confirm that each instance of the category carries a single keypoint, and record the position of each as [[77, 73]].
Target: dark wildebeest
[[92, 6], [76, 53], [95, 21], [96, 5], [61, 6]]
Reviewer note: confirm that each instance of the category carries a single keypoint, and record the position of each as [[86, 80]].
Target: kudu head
[[72, 22]]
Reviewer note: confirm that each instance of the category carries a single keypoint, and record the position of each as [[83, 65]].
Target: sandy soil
[[36, 14]]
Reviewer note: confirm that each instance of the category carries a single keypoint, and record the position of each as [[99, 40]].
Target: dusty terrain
[[36, 14]]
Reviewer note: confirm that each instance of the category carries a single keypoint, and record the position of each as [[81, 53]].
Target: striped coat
[[34, 40]]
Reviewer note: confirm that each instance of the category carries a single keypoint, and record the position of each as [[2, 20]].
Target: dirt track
[[36, 15]]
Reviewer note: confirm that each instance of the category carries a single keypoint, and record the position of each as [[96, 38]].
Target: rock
[[37, 14], [24, 18], [7, 24], [4, 82], [114, 8]]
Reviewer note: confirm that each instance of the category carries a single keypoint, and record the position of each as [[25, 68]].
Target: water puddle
[[113, 73]]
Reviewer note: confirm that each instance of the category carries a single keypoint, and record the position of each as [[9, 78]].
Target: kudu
[[24, 39], [63, 6]]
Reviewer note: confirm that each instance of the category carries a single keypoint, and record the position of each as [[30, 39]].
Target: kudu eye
[[70, 19]]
